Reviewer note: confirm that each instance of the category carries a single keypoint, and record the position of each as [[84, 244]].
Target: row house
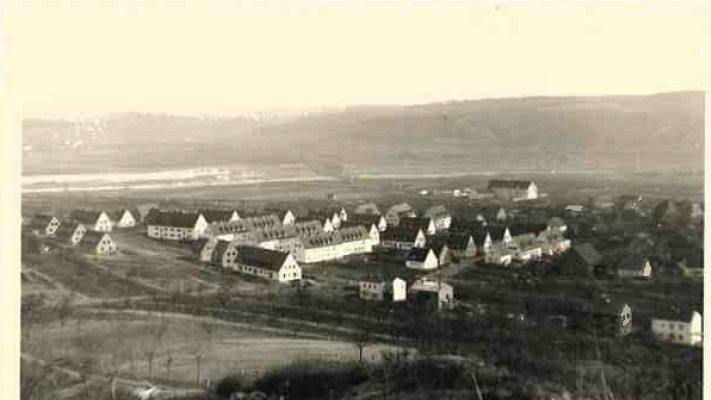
[[175, 225], [340, 212], [214, 216], [308, 228], [234, 229], [330, 220], [397, 212], [284, 239], [92, 220], [514, 190], [422, 258], [678, 325], [98, 243], [286, 216], [369, 219], [425, 224], [402, 238], [441, 217], [335, 245], [395, 290], [257, 261], [373, 231], [125, 218]]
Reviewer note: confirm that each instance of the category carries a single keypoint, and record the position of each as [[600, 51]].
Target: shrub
[[308, 379], [228, 385]]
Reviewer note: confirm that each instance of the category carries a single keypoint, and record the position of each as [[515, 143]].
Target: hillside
[[656, 132]]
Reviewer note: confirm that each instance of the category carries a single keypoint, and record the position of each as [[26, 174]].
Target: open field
[[106, 343]]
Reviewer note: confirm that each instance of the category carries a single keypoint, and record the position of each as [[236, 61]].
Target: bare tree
[[168, 362], [361, 340], [64, 309], [197, 352]]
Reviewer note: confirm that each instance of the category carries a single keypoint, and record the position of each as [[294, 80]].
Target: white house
[[441, 218], [288, 218], [679, 326], [335, 245], [123, 218], [368, 219], [441, 295], [92, 220], [175, 225], [99, 243], [71, 233], [205, 247], [514, 189], [395, 290], [402, 238], [213, 216], [265, 263], [425, 223], [422, 259]]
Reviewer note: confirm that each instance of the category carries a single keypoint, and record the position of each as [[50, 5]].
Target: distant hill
[[655, 132]]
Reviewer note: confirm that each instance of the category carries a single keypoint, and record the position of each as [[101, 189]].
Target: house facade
[[98, 243], [335, 245], [397, 212], [264, 263], [395, 290], [424, 223], [71, 233], [123, 219], [514, 190], [176, 225], [422, 259], [93, 220], [440, 216], [402, 238], [462, 245], [683, 327]]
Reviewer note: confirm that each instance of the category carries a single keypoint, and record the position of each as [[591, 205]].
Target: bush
[[311, 380], [228, 385]]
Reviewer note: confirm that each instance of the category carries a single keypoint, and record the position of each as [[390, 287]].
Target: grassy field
[[107, 343]]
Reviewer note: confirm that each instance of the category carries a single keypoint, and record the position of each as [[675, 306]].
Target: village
[[395, 253]]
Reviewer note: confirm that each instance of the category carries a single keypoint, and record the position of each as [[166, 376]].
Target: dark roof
[[351, 224], [66, 230], [634, 262], [459, 242], [172, 218], [91, 239], [217, 215], [219, 251], [336, 237], [400, 234], [415, 222], [260, 257], [527, 228], [308, 228], [199, 244], [496, 232], [510, 184], [364, 219], [438, 246], [85, 216], [588, 253], [674, 312], [418, 254]]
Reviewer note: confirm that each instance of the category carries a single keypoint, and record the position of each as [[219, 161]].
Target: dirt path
[[123, 383]]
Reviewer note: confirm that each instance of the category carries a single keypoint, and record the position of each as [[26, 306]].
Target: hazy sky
[[219, 56]]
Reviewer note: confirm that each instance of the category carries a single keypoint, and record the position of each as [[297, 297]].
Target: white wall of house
[[399, 290], [371, 290], [78, 233], [679, 331], [127, 220], [103, 223], [429, 263], [289, 218]]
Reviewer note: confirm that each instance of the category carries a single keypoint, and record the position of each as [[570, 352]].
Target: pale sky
[[219, 56]]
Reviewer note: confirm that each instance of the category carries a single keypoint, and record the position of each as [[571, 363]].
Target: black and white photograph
[[355, 200]]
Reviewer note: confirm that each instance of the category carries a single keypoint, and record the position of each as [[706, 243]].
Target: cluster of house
[[510, 190], [423, 291], [87, 229]]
